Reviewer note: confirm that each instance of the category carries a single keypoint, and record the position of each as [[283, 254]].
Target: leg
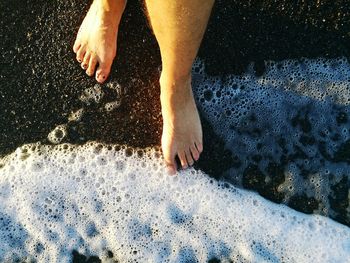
[[96, 40], [179, 27]]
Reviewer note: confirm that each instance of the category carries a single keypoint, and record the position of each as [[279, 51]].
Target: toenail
[[84, 66]]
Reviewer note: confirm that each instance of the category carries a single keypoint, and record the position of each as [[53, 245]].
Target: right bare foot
[[182, 130], [96, 41]]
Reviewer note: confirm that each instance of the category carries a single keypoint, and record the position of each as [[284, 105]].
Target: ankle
[[173, 82], [175, 93], [175, 74], [110, 9], [175, 87]]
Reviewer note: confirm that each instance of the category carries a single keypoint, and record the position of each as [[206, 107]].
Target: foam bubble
[[58, 134], [92, 94], [76, 115], [110, 106]]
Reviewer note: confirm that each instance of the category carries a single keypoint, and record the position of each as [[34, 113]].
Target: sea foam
[[118, 203], [288, 128]]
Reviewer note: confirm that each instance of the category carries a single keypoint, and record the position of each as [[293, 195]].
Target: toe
[[86, 60], [92, 65], [103, 70], [183, 160], [81, 54], [189, 158], [194, 152], [199, 146], [76, 46], [169, 159]]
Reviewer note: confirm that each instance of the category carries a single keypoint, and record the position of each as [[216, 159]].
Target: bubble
[[57, 134], [101, 160], [92, 94], [77, 115], [117, 87], [110, 106]]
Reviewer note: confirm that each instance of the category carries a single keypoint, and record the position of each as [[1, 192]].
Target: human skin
[[96, 42], [179, 27]]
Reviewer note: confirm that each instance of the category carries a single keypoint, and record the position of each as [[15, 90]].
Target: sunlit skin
[[96, 42], [179, 27]]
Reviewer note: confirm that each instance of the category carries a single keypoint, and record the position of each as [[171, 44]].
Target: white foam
[[92, 94], [58, 134], [95, 198], [110, 106], [295, 115], [76, 115]]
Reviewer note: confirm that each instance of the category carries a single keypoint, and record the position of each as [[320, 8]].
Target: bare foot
[[96, 42], [182, 130]]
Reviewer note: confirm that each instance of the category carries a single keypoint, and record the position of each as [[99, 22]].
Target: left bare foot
[[182, 130], [96, 42]]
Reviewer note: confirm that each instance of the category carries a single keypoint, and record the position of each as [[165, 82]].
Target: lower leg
[[179, 27], [95, 44]]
